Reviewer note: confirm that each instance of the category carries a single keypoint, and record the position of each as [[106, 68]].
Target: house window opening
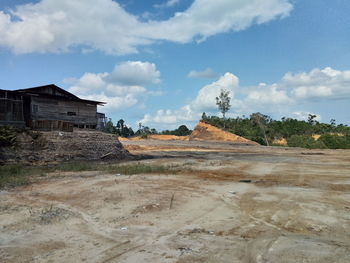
[[35, 108], [71, 113]]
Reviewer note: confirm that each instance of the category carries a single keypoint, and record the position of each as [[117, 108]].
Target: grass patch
[[17, 175], [131, 169], [13, 175], [126, 169], [77, 166]]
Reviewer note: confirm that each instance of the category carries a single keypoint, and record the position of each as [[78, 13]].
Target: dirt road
[[228, 203]]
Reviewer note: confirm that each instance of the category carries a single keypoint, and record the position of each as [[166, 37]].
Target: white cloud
[[171, 116], [117, 88], [56, 26], [304, 115], [169, 3], [264, 94], [278, 98], [207, 73], [135, 73], [204, 101], [205, 18], [318, 83]]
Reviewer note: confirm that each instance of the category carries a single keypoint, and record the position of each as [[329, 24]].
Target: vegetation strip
[[264, 130], [17, 175]]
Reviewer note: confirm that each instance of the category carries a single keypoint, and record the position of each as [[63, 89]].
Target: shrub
[[13, 175], [305, 141], [182, 130], [8, 136], [144, 136], [335, 141]]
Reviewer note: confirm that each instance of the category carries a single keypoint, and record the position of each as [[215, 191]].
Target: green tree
[[312, 119], [204, 117], [333, 123], [223, 102], [335, 141], [305, 141], [183, 131], [120, 127], [109, 126]]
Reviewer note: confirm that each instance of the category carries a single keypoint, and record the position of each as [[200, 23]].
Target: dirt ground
[[229, 203]]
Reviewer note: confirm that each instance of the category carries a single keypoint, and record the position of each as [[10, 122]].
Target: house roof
[[52, 90]]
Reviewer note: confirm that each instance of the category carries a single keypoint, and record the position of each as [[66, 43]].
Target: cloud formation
[[56, 26], [264, 94], [204, 101], [293, 90], [319, 84], [304, 115], [169, 3], [121, 88], [135, 73]]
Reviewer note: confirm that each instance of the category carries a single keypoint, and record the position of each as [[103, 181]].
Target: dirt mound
[[156, 137], [317, 136], [64, 146], [168, 137], [280, 141], [123, 139], [207, 132]]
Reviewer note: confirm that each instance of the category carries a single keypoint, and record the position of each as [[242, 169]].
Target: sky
[[163, 62]]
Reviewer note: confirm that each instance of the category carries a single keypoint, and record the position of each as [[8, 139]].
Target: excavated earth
[[51, 146], [225, 203]]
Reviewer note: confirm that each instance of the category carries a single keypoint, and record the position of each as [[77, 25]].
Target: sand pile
[[207, 132], [168, 137], [156, 137], [280, 141], [202, 132]]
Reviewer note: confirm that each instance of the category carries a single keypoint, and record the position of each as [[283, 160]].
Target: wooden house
[[47, 108], [11, 108]]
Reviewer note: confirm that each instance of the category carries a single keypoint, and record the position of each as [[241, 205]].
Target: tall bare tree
[[261, 120]]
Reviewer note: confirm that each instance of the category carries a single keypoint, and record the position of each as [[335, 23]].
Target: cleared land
[[215, 202]]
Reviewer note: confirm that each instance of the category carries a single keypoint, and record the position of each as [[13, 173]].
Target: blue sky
[[163, 63]]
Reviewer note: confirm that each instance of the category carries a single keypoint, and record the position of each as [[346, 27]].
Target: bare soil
[[228, 203], [202, 132], [52, 146]]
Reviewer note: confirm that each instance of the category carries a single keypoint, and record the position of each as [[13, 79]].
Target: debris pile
[[64, 146]]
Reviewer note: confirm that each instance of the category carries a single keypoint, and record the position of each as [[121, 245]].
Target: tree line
[[298, 133], [121, 129]]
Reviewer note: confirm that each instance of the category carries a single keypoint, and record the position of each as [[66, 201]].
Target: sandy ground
[[293, 205]]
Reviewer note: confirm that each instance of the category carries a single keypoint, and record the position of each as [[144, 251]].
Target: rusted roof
[[52, 90]]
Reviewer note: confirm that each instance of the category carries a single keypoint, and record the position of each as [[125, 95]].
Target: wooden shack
[[11, 108], [52, 108]]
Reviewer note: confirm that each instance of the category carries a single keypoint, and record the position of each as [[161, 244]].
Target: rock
[[245, 181]]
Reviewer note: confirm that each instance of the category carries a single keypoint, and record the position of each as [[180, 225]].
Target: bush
[[13, 175], [257, 139], [335, 141], [180, 131], [305, 141], [144, 136], [8, 136]]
